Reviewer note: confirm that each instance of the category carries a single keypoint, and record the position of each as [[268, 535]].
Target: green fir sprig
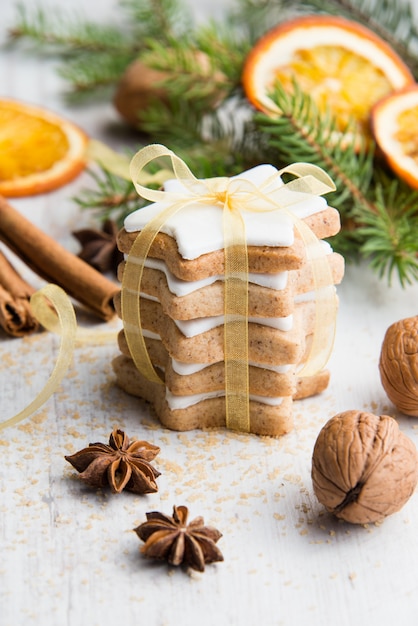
[[388, 234], [95, 55], [111, 197]]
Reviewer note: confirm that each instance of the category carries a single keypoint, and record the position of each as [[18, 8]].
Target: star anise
[[172, 539], [99, 247], [121, 464]]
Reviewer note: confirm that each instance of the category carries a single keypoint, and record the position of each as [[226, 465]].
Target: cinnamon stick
[[55, 264], [16, 316]]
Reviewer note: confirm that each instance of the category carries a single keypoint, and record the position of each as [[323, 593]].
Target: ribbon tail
[[326, 302], [66, 325], [236, 322], [118, 164], [131, 286]]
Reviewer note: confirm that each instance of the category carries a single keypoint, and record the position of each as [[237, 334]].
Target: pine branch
[[158, 20], [389, 235], [302, 133], [66, 31], [197, 91], [111, 198], [190, 73], [96, 55], [90, 72], [254, 17], [225, 46], [176, 123]]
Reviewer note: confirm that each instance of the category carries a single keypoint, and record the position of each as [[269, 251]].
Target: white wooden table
[[68, 555]]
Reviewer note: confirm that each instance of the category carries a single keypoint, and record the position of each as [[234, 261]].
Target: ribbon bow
[[233, 195]]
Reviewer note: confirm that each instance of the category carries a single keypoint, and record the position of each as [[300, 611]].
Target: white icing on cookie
[[180, 287], [194, 327], [146, 296], [186, 369], [184, 287], [198, 325], [198, 228], [150, 335], [182, 402]]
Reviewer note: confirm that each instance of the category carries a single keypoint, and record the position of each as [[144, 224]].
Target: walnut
[[363, 467], [398, 365], [137, 88]]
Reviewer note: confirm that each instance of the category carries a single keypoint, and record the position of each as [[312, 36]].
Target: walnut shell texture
[[398, 365], [363, 467]]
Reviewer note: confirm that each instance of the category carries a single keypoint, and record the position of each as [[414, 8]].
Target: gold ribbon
[[232, 195], [60, 320], [118, 164], [63, 322]]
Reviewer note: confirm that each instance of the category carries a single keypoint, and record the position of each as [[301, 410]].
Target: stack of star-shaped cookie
[[182, 312]]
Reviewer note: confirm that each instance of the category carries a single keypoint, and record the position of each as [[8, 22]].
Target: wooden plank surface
[[68, 553]]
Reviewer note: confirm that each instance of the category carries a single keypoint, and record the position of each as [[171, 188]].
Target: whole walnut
[[363, 467], [398, 365], [137, 88]]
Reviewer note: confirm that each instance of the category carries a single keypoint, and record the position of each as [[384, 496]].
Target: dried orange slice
[[344, 66], [395, 128], [39, 151]]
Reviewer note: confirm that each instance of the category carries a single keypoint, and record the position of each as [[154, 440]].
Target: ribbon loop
[[180, 169], [232, 196]]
